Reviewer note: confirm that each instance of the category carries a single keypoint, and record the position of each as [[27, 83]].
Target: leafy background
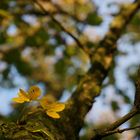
[[34, 50]]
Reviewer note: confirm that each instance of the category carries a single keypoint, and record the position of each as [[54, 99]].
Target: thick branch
[[89, 86], [35, 125]]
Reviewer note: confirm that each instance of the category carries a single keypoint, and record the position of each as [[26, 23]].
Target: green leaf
[[94, 19], [14, 57], [38, 39], [114, 105]]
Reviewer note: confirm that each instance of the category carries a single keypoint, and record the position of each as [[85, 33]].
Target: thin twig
[[61, 26], [120, 130], [135, 110], [99, 134], [123, 119]]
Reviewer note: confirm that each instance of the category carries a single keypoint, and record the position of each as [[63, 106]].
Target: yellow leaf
[[56, 107], [52, 108], [43, 102], [47, 100], [19, 100], [23, 97], [34, 92], [53, 114]]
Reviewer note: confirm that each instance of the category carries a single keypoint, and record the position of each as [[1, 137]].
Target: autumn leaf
[[22, 97], [47, 99], [52, 108], [33, 93]]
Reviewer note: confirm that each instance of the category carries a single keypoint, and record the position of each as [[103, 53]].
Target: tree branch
[[120, 130], [99, 134], [123, 119], [90, 85], [61, 26], [135, 110]]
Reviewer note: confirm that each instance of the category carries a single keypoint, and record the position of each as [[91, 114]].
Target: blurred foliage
[[39, 50], [135, 29], [32, 43]]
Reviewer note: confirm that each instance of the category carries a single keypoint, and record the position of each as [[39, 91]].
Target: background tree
[[51, 43]]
